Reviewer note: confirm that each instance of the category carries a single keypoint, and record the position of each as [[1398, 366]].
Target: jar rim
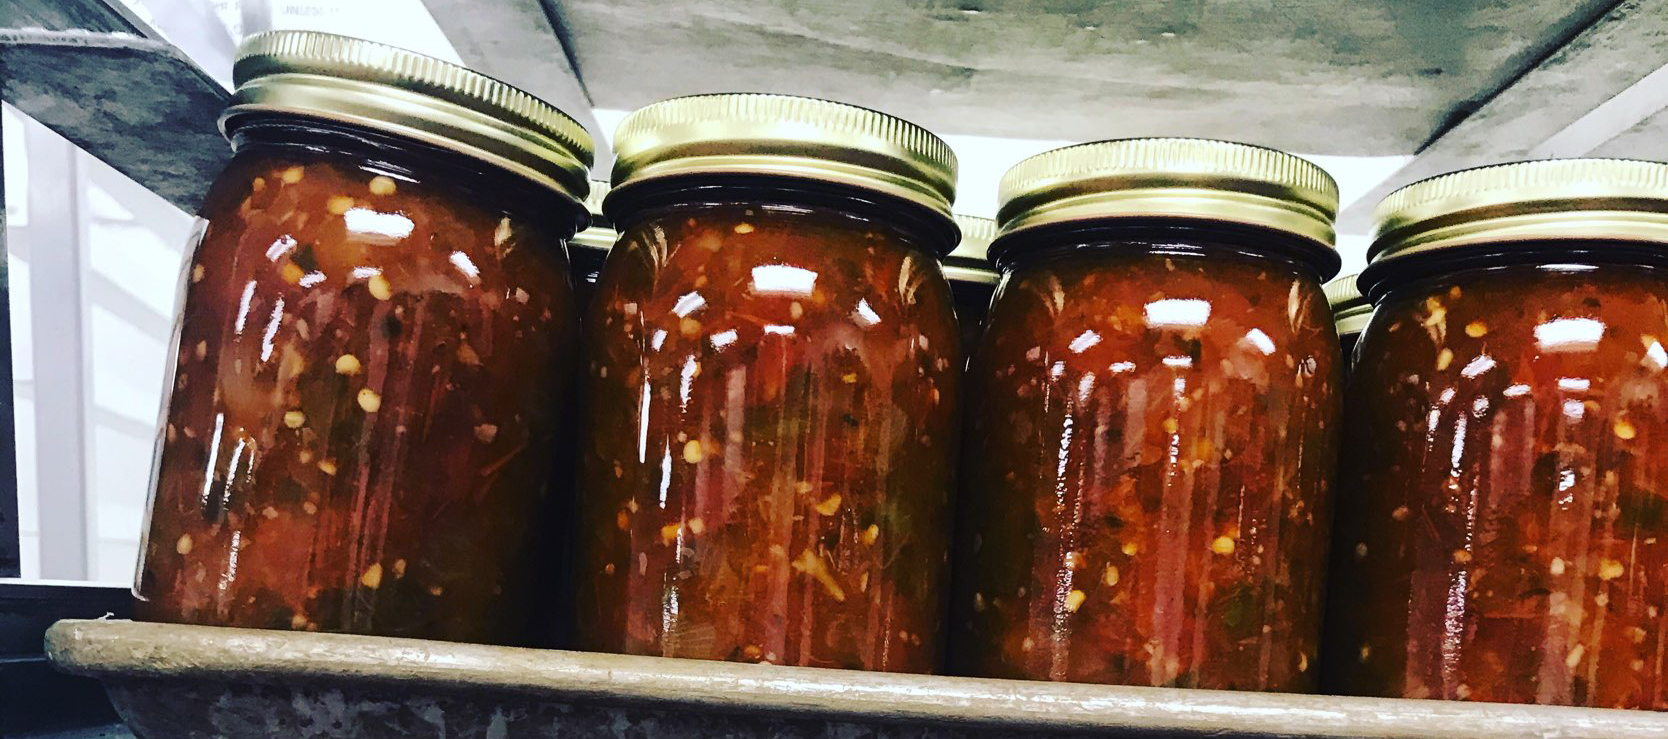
[[939, 233], [1167, 233], [1185, 178], [1527, 203], [785, 135], [970, 260], [403, 93]]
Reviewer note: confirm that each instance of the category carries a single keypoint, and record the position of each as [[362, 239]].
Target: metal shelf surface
[[195, 681]]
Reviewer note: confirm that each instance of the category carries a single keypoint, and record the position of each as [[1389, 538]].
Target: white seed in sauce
[[347, 364], [373, 576], [1610, 569], [295, 419], [369, 400], [338, 204], [379, 286], [1624, 430], [382, 185], [1574, 657], [1074, 600], [829, 506], [183, 546], [292, 273]]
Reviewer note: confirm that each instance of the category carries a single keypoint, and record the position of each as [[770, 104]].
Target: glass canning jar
[[1151, 421], [772, 385], [1350, 312], [972, 277], [590, 246], [373, 354], [1508, 534]]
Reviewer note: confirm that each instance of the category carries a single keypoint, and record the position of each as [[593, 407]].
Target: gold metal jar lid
[[600, 235], [1599, 199], [1171, 178], [970, 262], [755, 133], [1350, 309], [417, 97]]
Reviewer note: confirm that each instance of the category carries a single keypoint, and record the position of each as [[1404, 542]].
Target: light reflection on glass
[[1569, 334], [1516, 391], [1178, 362], [865, 314], [686, 380], [1657, 355], [1084, 342], [779, 330], [365, 273], [723, 338], [272, 329], [688, 303], [1477, 367], [467, 267], [1177, 312], [1260, 340], [1574, 384], [1118, 367], [243, 307], [311, 278], [781, 279], [377, 226], [1574, 410], [281, 246]]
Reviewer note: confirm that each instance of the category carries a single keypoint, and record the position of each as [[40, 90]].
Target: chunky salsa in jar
[[372, 360], [772, 387], [1150, 430], [1508, 538]]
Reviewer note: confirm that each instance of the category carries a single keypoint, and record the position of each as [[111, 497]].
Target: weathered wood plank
[[1371, 77], [136, 103], [1629, 43]]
